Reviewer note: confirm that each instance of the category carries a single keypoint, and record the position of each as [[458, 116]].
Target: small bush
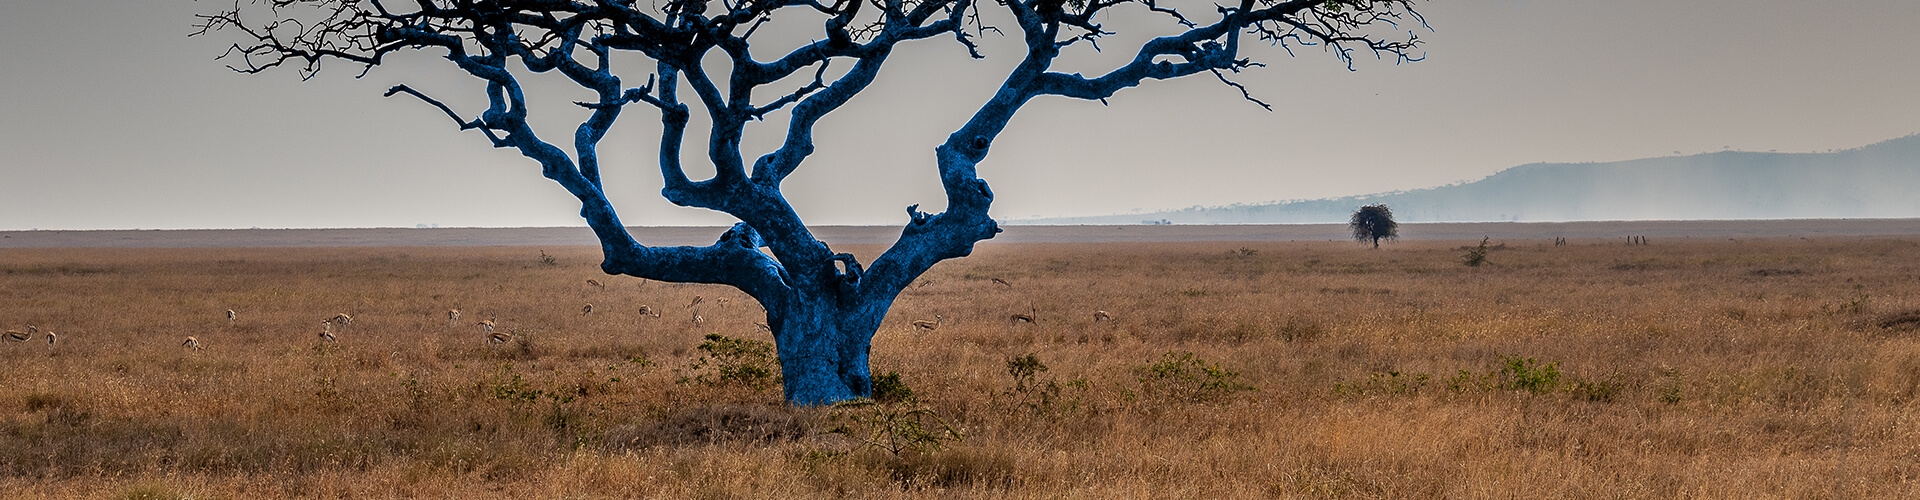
[[1042, 397], [895, 429], [889, 389], [744, 362], [1024, 369], [1185, 377], [1477, 255], [1525, 374]]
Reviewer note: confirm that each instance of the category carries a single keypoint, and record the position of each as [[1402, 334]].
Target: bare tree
[[1374, 223], [823, 306]]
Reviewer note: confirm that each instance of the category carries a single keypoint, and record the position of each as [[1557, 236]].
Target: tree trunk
[[824, 349]]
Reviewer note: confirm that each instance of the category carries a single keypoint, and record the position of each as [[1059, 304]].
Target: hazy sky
[[111, 117]]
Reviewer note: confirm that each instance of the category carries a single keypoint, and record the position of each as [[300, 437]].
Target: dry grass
[[1756, 369]]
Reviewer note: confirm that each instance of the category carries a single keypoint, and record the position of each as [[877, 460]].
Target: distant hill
[[1877, 181]]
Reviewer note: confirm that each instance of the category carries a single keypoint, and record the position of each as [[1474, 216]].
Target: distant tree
[[823, 307], [1374, 223]]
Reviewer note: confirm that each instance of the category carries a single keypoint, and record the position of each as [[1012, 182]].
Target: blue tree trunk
[[823, 351]]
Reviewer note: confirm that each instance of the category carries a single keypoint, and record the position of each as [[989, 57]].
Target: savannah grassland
[[1762, 368]]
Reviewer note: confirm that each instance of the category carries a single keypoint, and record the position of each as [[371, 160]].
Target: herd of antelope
[[492, 334]]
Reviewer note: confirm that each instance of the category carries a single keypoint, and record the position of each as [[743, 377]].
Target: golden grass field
[[1763, 368]]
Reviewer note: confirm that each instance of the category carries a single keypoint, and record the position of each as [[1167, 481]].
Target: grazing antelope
[[648, 311], [696, 301], [1020, 318], [486, 325], [191, 343], [596, 284], [50, 336], [722, 302], [587, 309], [928, 326], [342, 319], [19, 336], [1099, 316], [697, 319], [1001, 282], [326, 331], [764, 326], [231, 316], [498, 337], [453, 317]]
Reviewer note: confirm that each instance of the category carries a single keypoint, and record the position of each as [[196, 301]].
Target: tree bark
[[823, 350]]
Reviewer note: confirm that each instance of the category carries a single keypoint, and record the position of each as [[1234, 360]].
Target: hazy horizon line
[[1009, 221]]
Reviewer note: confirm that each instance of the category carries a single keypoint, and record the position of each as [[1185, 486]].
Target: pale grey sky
[[110, 117]]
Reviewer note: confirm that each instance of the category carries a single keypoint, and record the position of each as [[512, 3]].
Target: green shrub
[[889, 389], [1184, 377], [732, 361], [1525, 374]]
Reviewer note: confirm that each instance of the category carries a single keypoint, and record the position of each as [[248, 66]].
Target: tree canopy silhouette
[[823, 306], [1374, 223]]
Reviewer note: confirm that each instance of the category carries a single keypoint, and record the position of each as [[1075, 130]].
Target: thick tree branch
[[673, 121]]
